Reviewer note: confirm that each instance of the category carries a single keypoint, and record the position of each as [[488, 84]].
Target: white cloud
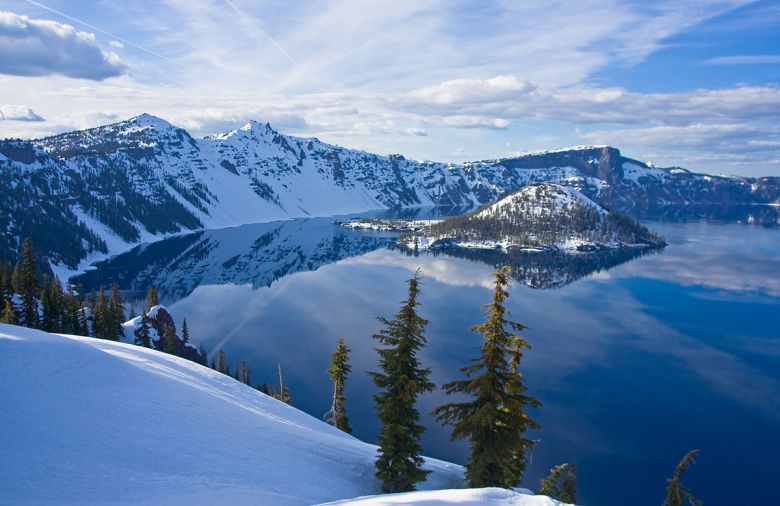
[[720, 138], [37, 47], [468, 91], [745, 59], [459, 121], [116, 44], [19, 113]]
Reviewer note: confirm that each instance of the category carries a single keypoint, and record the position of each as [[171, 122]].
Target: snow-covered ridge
[[105, 189]]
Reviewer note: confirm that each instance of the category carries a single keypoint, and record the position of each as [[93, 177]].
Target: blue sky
[[686, 83]]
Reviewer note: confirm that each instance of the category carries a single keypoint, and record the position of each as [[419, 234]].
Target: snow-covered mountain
[[89, 421], [538, 217], [101, 190]]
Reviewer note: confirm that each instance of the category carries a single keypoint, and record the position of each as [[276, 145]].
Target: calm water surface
[[636, 360]]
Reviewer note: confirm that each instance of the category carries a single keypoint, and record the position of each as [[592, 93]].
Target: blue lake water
[[636, 360]]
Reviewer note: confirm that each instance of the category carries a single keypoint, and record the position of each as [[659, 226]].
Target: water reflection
[[636, 360], [260, 254], [548, 269], [255, 255]]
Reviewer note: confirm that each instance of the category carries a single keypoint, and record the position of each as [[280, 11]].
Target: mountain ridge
[[85, 194]]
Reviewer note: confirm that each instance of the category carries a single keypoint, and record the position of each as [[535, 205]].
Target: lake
[[636, 358]]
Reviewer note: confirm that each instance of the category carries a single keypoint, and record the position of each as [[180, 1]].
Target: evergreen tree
[[9, 314], [338, 371], [560, 484], [221, 364], [143, 336], [495, 420], [402, 380], [70, 312], [242, 372], [152, 298], [170, 340], [57, 297], [284, 393], [26, 284], [47, 310], [100, 317], [185, 333], [677, 493], [204, 356], [116, 314], [5, 279], [83, 323]]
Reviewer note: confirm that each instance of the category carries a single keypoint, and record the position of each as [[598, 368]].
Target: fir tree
[[221, 364], [338, 371], [284, 393], [70, 312], [116, 314], [560, 484], [9, 314], [143, 336], [26, 284], [495, 421], [152, 298], [5, 279], [185, 333], [100, 317], [402, 380], [242, 372], [677, 493], [204, 356], [47, 309], [171, 342]]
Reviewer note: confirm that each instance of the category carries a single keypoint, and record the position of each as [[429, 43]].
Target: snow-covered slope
[[86, 193], [543, 216], [467, 497], [87, 421]]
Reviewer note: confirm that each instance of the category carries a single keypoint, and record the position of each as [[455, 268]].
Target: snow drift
[[87, 421]]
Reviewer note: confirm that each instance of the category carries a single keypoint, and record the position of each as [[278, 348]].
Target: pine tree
[[338, 371], [242, 372], [152, 299], [100, 317], [47, 309], [5, 279], [185, 333], [170, 341], [204, 356], [560, 484], [9, 314], [284, 393], [116, 314], [402, 380], [495, 421], [26, 285], [221, 364], [70, 312], [143, 336], [677, 493]]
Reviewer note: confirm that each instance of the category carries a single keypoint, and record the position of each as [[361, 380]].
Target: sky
[[690, 83]]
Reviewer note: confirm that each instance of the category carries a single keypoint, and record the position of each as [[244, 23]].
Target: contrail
[[270, 39], [93, 27], [263, 33]]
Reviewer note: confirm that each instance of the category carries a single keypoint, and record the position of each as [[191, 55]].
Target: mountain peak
[[148, 120]]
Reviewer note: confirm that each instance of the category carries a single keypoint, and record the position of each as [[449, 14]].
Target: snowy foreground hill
[[87, 421], [84, 194]]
